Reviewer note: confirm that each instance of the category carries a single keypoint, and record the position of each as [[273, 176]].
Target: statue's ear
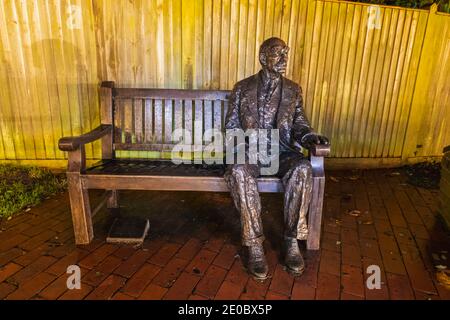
[[262, 58]]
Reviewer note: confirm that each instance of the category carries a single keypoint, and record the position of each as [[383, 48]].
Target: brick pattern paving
[[193, 251]]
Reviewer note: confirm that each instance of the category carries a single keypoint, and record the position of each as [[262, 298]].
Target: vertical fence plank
[[207, 43]]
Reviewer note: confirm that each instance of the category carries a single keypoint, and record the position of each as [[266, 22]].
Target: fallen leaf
[[435, 256], [27, 209], [9, 218], [12, 281], [443, 279], [347, 197], [334, 179], [354, 213], [170, 283], [137, 246]]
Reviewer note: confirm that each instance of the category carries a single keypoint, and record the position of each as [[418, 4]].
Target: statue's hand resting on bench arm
[[267, 100]]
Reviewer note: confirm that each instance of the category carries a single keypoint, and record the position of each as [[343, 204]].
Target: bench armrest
[[320, 150], [73, 143], [317, 153]]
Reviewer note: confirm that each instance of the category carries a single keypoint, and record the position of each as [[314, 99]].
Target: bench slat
[[158, 116], [138, 124], [207, 118], [218, 114], [170, 183], [161, 94], [224, 112], [154, 146], [148, 121], [168, 118], [117, 122], [198, 123], [178, 114], [188, 120], [129, 120]]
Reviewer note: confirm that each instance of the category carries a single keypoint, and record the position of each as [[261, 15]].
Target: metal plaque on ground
[[129, 230]]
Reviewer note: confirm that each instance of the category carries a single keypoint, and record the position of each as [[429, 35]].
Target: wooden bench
[[135, 121]]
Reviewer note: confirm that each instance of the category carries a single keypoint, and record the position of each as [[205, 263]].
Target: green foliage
[[443, 5], [23, 186]]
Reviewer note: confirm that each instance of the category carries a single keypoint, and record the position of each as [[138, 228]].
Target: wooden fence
[[376, 79]]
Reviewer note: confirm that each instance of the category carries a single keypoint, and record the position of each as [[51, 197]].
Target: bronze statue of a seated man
[[267, 100]]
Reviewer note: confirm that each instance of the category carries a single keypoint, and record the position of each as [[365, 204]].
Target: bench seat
[[164, 175]]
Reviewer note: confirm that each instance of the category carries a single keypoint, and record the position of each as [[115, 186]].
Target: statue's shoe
[[257, 264], [293, 258]]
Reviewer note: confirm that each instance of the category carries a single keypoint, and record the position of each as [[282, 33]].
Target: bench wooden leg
[[315, 213], [112, 199], [81, 209]]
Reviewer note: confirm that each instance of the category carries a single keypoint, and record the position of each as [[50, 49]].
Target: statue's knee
[[303, 169], [304, 165], [237, 169], [239, 172], [243, 170]]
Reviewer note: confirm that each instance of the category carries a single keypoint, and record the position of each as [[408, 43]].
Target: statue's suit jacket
[[290, 119]]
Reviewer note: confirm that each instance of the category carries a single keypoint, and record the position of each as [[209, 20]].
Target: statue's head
[[273, 55]]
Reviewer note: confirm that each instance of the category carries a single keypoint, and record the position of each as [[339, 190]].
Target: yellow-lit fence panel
[[429, 123], [48, 76], [375, 79]]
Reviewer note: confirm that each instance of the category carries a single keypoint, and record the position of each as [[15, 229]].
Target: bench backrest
[[144, 119]]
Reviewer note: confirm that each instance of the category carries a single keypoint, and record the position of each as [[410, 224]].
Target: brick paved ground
[[193, 250]]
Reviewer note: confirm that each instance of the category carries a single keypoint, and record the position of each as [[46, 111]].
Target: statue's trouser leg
[[297, 183], [241, 179]]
